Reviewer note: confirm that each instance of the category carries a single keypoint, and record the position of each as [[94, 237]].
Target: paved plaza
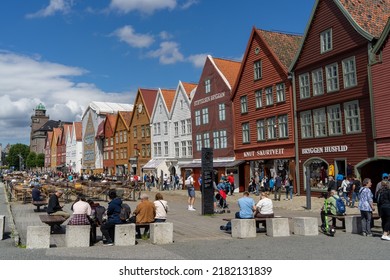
[[198, 237]]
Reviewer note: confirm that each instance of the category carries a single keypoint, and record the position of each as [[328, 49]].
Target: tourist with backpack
[[332, 204], [366, 206], [355, 187], [113, 218], [345, 190]]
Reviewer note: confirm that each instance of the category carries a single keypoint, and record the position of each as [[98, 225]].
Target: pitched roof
[[111, 118], [169, 96], [370, 15], [149, 97], [189, 87], [78, 127], [284, 46], [126, 116], [229, 69]]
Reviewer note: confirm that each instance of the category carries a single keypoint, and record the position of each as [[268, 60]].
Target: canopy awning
[[153, 163], [216, 164]]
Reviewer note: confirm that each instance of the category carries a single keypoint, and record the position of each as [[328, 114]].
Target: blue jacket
[[113, 211]]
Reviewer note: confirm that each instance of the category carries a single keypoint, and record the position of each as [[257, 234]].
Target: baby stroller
[[221, 200]]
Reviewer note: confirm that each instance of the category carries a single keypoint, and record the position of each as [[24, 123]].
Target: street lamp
[[20, 162]]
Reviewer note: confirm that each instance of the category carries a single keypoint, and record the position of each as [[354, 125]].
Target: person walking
[[278, 187], [366, 206], [231, 182], [383, 198], [191, 192]]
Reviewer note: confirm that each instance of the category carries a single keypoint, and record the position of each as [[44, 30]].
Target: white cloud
[[25, 82], [189, 3], [168, 53], [197, 60], [127, 34], [143, 6], [165, 35], [55, 6]]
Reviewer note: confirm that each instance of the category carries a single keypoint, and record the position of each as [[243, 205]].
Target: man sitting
[[247, 207], [145, 213], [54, 208], [331, 207]]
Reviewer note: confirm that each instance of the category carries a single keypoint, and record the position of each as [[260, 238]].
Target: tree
[[31, 160], [40, 161], [17, 155]]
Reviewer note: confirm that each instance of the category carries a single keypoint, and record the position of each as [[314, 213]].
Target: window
[[125, 136], [258, 97], [326, 41], [244, 104], [319, 117], [120, 136], [143, 150], [334, 120], [183, 127], [166, 148], [181, 104], [260, 125], [155, 149], [106, 142], [165, 127], [352, 117], [207, 86], [154, 129], [177, 151], [205, 115], [189, 126], [283, 126], [112, 141], [306, 126], [216, 140], [206, 140], [159, 149], [148, 150], [159, 129], [271, 128], [223, 139], [221, 112], [332, 77], [134, 132], [318, 84], [183, 148], [268, 96], [116, 138], [147, 131], [197, 118], [349, 72], [176, 127], [304, 86], [257, 70], [245, 133], [198, 142], [280, 93], [116, 154], [189, 148], [143, 131]]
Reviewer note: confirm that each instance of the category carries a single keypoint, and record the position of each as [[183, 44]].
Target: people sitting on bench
[[247, 208], [54, 208], [264, 208], [144, 213], [113, 218], [81, 212]]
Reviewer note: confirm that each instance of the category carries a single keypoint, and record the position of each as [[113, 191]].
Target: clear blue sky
[[66, 53]]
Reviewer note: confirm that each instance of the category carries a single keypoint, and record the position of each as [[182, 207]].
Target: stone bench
[[161, 233], [243, 228], [38, 237], [353, 224], [278, 227], [77, 235], [2, 226], [124, 235], [306, 226], [38, 204]]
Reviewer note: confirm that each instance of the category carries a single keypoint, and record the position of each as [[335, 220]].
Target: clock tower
[[37, 121]]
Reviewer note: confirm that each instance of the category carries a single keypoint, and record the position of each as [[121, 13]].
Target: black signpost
[[207, 181]]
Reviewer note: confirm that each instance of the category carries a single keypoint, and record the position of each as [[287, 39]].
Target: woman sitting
[[161, 208], [81, 211], [264, 208]]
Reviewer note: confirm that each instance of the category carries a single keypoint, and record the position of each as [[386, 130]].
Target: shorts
[[191, 192]]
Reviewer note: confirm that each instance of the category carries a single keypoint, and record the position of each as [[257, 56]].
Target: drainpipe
[[371, 62], [296, 135]]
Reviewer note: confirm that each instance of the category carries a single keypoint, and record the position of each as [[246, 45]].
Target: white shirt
[[82, 207], [160, 211], [265, 206], [344, 185]]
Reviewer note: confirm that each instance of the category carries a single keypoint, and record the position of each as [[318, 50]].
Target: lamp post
[[20, 162]]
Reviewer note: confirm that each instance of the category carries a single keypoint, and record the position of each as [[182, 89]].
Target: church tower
[[37, 121]]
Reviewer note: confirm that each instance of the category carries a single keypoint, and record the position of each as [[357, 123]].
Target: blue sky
[[67, 53]]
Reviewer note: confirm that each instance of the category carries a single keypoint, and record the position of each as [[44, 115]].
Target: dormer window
[[326, 41], [207, 86]]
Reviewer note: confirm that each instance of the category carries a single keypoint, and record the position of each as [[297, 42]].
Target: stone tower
[[37, 139]]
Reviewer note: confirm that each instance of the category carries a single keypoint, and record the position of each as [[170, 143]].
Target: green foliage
[[13, 158], [31, 160], [40, 161]]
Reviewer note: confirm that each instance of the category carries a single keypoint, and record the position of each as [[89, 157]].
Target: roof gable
[[188, 88], [168, 96], [228, 68], [78, 129]]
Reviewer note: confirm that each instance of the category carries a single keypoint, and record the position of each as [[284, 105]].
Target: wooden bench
[[38, 204], [341, 218], [52, 221]]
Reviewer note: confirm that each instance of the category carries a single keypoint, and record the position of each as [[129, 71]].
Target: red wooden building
[[109, 144], [263, 106], [332, 92]]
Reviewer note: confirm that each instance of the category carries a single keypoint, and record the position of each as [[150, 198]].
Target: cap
[[385, 175]]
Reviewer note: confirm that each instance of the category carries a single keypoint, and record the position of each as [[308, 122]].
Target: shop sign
[[269, 152], [209, 98], [325, 149]]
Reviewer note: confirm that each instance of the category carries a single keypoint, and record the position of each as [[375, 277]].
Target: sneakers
[[385, 237], [364, 234], [369, 234], [191, 208], [108, 243]]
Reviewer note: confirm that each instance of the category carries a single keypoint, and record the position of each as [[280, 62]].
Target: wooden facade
[[121, 146], [263, 106], [333, 115], [109, 144]]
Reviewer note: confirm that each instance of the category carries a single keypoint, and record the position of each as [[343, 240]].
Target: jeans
[[354, 198], [277, 193], [366, 221], [108, 231], [346, 197], [289, 191]]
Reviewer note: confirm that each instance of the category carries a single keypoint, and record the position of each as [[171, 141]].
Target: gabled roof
[[149, 97], [66, 129], [126, 117], [57, 135], [78, 128], [169, 96], [111, 119], [189, 87], [228, 68], [368, 18], [284, 46], [370, 15], [49, 125], [49, 138]]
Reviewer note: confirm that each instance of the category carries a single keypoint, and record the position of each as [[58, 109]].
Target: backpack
[[125, 212], [357, 186], [99, 213], [340, 206]]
